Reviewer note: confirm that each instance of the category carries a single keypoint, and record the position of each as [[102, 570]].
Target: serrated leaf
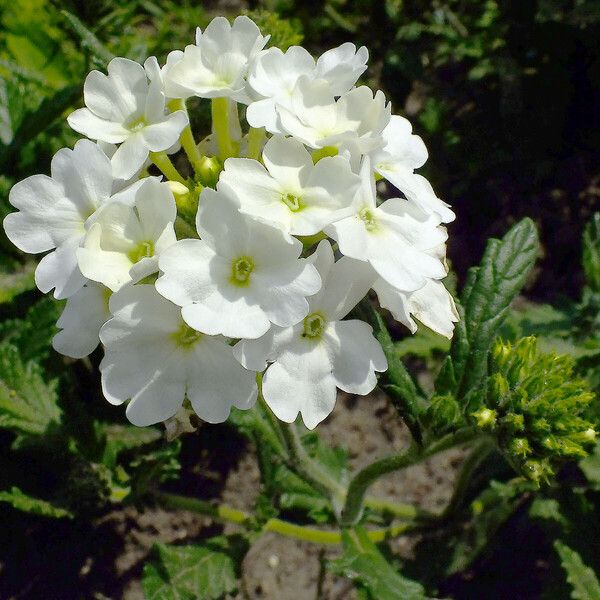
[[362, 562], [21, 501], [591, 252], [584, 583], [548, 509], [88, 39], [486, 297], [188, 572], [28, 404]]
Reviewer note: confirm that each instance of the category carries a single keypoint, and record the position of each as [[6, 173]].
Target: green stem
[[285, 528], [220, 119], [256, 137], [366, 477], [478, 454], [187, 137], [163, 162]]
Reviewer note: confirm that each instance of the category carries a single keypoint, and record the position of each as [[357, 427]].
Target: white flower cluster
[[255, 287]]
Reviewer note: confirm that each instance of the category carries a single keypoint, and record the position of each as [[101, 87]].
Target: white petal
[[217, 381], [342, 66], [356, 355], [86, 122], [161, 136], [85, 312], [129, 157], [301, 381], [59, 270]]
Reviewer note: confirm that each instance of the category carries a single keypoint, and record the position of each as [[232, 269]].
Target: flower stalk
[[166, 166], [220, 119]]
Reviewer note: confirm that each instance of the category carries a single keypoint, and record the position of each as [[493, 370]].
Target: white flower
[[432, 304], [125, 241], [217, 65], [240, 277], [85, 312], [274, 74], [54, 211], [154, 358], [312, 358], [291, 193], [123, 108], [317, 119], [342, 66], [163, 74], [396, 161], [397, 238]]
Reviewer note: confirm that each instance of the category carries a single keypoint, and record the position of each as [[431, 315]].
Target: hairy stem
[[220, 119], [285, 528], [163, 162], [366, 477]]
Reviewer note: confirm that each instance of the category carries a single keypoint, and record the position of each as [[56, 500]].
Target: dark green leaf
[[28, 404], [590, 465], [486, 297], [362, 562], [16, 281], [21, 501], [591, 253], [188, 572], [88, 39], [584, 583]]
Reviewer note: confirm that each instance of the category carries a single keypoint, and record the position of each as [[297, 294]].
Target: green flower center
[[294, 203], [185, 337], [137, 124], [314, 326], [142, 250], [241, 269], [367, 216]]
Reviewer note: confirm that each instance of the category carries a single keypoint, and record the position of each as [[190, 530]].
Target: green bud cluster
[[536, 409], [443, 414]]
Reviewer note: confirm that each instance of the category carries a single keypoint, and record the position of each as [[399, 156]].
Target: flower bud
[[210, 169], [520, 447], [485, 417], [185, 199]]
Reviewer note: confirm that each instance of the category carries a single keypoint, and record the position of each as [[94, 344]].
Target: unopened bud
[[185, 199], [209, 171], [520, 447], [485, 417]]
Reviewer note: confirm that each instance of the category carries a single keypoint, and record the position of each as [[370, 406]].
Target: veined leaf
[[583, 580], [188, 572], [28, 404], [362, 562], [21, 501], [486, 298]]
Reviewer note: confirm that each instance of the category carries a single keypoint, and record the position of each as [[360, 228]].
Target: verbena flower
[[290, 192], [217, 65], [309, 360], [124, 108], [240, 277], [55, 211], [125, 241], [154, 358], [274, 74], [397, 239]]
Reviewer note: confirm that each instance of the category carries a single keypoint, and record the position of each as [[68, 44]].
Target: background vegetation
[[506, 96]]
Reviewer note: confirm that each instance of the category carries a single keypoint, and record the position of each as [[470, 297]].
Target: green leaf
[[21, 501], [424, 343], [14, 282], [362, 562], [583, 580], [88, 39], [590, 466], [396, 381], [591, 252], [486, 297], [28, 404], [188, 572]]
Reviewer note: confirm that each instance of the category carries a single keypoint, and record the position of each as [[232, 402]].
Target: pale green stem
[[256, 138], [220, 119], [366, 477], [163, 162], [285, 528], [187, 137]]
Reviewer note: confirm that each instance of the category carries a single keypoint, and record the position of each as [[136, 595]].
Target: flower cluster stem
[[285, 528], [361, 482], [256, 137], [167, 168], [220, 119]]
